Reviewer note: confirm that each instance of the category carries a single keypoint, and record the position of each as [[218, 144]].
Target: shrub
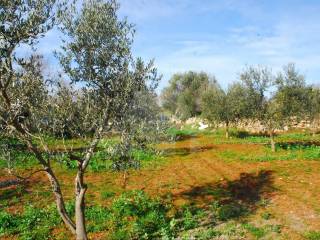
[[208, 234], [8, 223], [136, 215], [106, 195], [266, 215], [175, 134], [227, 211], [97, 218], [189, 220], [33, 223], [255, 231], [312, 235]]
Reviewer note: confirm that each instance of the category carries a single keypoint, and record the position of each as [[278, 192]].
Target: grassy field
[[200, 186]]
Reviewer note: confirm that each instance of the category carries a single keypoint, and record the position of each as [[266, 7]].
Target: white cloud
[[225, 56], [258, 32], [197, 56]]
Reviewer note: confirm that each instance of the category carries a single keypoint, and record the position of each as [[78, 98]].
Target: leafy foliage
[[32, 224], [133, 215], [105, 82], [227, 107], [182, 97], [148, 217], [312, 235]]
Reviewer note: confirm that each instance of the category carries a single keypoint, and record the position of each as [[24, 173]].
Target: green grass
[[255, 231], [240, 136], [107, 195], [33, 223], [135, 215], [290, 146], [294, 153], [101, 161], [131, 215], [208, 234], [312, 235], [175, 134]]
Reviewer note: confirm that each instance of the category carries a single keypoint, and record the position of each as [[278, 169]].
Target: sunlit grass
[[228, 219]]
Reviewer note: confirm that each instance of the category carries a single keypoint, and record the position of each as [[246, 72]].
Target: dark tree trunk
[[314, 130], [125, 179], [227, 129], [273, 144]]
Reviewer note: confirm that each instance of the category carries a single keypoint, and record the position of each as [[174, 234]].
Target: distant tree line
[[275, 100]]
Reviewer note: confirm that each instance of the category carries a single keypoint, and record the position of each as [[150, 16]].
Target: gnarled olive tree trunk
[[272, 142], [227, 129], [80, 190]]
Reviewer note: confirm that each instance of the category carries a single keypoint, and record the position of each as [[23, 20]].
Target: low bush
[[133, 215], [188, 219], [208, 234], [225, 212], [312, 235], [255, 231], [33, 223], [136, 215], [106, 195], [175, 134], [8, 224]]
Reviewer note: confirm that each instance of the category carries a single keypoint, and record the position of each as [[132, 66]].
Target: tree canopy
[[105, 93], [218, 105], [183, 95]]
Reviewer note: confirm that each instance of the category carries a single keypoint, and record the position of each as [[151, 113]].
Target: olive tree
[[290, 101], [96, 56], [228, 106], [141, 127], [293, 95], [257, 82], [313, 111], [22, 89], [272, 119], [183, 95], [275, 110]]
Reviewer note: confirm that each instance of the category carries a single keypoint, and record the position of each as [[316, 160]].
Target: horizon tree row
[[260, 95]]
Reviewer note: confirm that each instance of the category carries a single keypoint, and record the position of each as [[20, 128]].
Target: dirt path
[[293, 190]]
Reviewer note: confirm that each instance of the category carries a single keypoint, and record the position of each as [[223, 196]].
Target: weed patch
[[312, 235]]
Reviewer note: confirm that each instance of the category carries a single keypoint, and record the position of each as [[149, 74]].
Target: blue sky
[[221, 37]]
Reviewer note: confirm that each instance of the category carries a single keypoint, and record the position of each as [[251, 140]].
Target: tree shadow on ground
[[245, 134], [235, 198], [186, 137], [13, 191], [184, 151], [182, 137], [297, 144]]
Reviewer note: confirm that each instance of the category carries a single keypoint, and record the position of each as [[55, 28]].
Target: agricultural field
[[169, 120], [198, 185]]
